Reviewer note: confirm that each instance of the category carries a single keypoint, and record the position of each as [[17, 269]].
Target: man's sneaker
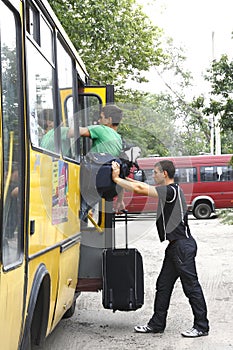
[[194, 333], [146, 329]]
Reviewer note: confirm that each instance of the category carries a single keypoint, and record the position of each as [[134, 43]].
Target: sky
[[191, 24]]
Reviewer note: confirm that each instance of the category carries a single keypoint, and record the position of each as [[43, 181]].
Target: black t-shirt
[[172, 217]]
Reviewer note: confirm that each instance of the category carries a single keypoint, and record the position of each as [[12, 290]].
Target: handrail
[[8, 178], [94, 223]]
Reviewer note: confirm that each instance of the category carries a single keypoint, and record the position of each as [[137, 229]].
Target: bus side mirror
[[139, 175]]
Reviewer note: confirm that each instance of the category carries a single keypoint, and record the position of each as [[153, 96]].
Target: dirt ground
[[93, 327]]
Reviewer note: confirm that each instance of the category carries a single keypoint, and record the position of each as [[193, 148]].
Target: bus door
[[12, 262], [98, 233]]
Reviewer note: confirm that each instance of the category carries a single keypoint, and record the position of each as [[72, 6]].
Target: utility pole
[[215, 143], [217, 136], [211, 126]]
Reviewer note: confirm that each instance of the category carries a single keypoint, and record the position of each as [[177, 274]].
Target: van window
[[216, 173], [185, 175], [149, 174]]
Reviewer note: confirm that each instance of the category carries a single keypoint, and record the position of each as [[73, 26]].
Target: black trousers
[[179, 262]]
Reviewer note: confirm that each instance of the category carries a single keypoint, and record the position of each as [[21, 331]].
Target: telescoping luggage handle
[[126, 229]]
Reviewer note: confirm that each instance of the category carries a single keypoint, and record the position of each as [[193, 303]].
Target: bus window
[[11, 239], [32, 22], [46, 39], [39, 29], [88, 115], [65, 84], [40, 81]]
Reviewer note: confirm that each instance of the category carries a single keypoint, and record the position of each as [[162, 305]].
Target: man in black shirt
[[179, 260]]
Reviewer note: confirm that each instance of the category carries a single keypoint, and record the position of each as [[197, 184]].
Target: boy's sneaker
[[146, 329], [194, 333]]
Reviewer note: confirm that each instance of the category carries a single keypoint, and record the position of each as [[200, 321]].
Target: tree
[[115, 38], [151, 122], [220, 75], [218, 105], [117, 42]]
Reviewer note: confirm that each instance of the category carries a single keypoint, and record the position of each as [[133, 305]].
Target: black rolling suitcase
[[123, 279]]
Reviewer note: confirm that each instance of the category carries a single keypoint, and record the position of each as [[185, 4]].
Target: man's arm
[[132, 185]]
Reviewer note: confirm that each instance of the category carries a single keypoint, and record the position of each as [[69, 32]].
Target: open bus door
[[98, 233]]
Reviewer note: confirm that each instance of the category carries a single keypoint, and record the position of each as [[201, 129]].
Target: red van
[[207, 182]]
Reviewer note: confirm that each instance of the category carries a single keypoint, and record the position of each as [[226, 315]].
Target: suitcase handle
[[126, 228]]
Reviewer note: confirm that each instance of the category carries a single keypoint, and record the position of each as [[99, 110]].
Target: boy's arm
[[120, 205], [83, 131]]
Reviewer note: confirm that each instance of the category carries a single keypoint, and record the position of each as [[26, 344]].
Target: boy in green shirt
[[105, 139]]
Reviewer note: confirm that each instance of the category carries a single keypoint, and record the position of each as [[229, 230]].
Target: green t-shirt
[[105, 140], [47, 141]]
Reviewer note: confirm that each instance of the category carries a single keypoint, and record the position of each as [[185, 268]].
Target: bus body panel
[[68, 278], [11, 289], [55, 201], [54, 208]]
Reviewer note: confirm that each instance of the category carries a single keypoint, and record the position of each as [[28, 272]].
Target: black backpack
[[96, 175]]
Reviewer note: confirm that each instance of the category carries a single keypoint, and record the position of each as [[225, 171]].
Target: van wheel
[[202, 211]]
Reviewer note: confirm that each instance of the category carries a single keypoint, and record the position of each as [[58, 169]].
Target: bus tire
[[69, 313], [38, 310], [202, 211]]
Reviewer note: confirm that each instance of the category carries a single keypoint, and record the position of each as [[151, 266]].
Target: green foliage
[[151, 123], [115, 39], [117, 42], [226, 141], [144, 125], [220, 75], [174, 57], [226, 135], [231, 161], [226, 216]]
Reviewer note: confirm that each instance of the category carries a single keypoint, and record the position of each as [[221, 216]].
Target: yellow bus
[[40, 234]]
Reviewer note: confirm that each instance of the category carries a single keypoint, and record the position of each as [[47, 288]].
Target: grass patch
[[226, 216]]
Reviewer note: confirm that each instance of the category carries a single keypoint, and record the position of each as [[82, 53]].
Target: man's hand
[[132, 185], [115, 170]]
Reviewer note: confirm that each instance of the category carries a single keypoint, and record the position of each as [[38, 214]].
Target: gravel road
[[93, 327]]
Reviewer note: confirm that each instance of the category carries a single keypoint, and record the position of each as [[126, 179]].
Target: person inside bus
[[105, 139], [179, 260], [46, 121]]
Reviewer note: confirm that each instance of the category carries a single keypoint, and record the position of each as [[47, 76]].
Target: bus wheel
[[202, 211], [69, 313]]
